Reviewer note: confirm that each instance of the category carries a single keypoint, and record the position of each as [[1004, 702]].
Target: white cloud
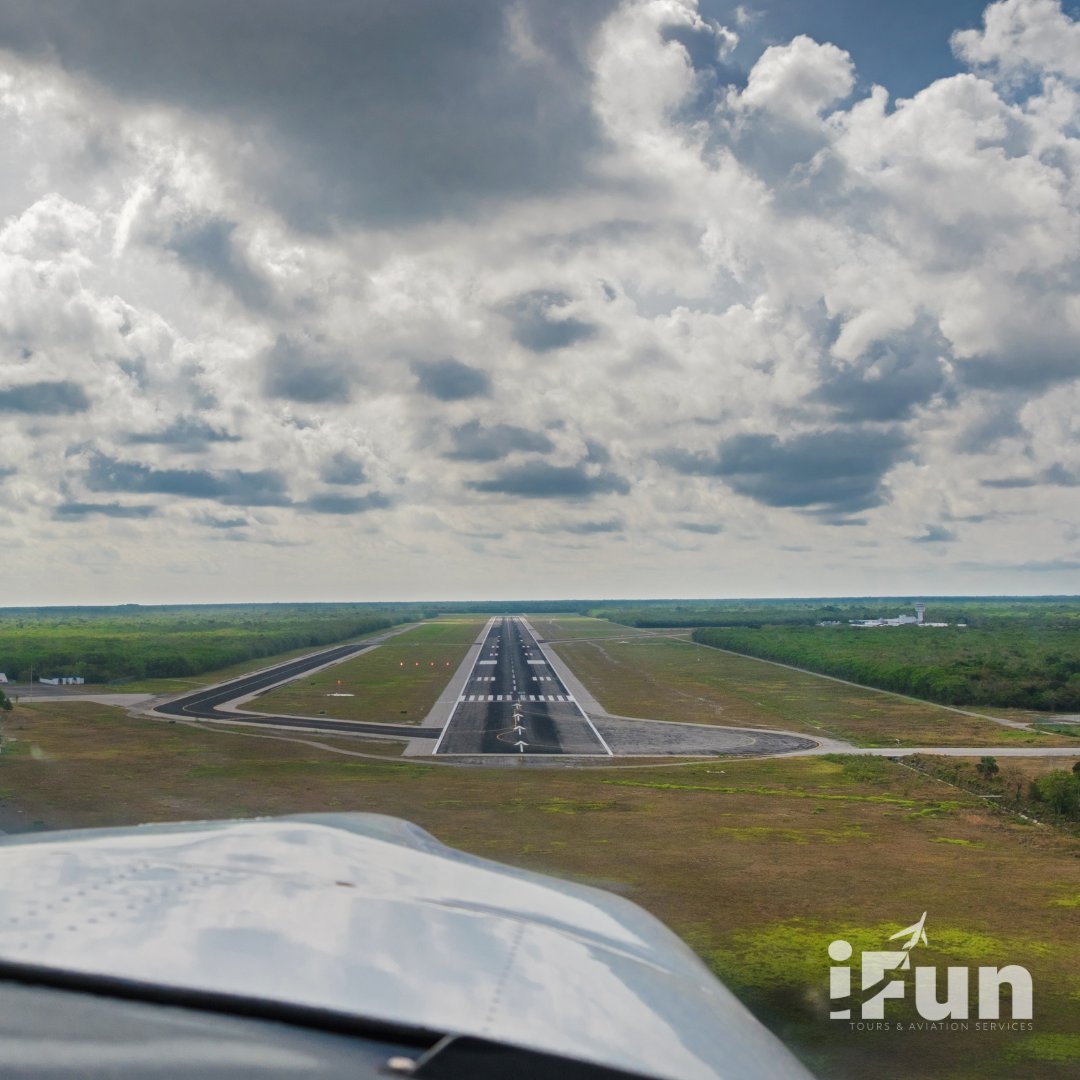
[[751, 284], [799, 80], [1021, 37]]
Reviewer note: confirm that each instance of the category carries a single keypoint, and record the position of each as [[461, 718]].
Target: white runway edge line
[[482, 641], [577, 705]]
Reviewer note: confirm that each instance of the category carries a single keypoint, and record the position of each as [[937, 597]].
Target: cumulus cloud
[[585, 264], [798, 81], [451, 380], [334, 503], [539, 480], [374, 113], [266, 487], [539, 325], [1020, 37], [296, 372], [472, 442], [209, 246], [59, 398], [186, 434], [343, 469], [838, 471], [77, 510], [593, 528], [936, 534]]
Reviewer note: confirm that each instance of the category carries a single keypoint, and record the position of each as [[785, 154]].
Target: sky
[[354, 300]]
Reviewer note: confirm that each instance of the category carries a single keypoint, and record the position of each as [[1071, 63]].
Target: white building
[[918, 619]]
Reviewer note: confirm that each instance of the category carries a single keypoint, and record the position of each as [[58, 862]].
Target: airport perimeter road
[[213, 702], [515, 703]]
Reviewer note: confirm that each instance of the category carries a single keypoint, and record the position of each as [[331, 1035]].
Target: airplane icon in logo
[[916, 934]]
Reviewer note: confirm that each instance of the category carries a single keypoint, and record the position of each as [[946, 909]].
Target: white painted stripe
[[577, 704], [487, 661], [532, 661], [478, 645], [490, 698]]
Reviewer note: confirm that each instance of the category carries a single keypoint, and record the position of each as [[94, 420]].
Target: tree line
[[1019, 666], [119, 646]]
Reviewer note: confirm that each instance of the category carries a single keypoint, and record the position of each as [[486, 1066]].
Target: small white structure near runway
[[918, 619]]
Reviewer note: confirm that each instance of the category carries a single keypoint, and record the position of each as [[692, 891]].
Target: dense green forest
[[983, 611], [132, 642], [1021, 652], [1022, 661]]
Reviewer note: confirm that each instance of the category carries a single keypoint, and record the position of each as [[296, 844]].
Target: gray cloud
[[207, 246], [45, 398], [475, 443], [999, 421], [235, 487], [536, 327], [333, 503], [1035, 566], [381, 110], [1056, 475], [212, 522], [704, 529], [451, 380], [1005, 482], [936, 534], [185, 434], [590, 528], [834, 472], [596, 452], [343, 469], [1059, 476], [539, 480], [73, 510], [293, 372], [888, 383]]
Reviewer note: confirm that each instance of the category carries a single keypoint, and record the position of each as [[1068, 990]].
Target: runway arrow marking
[[521, 744]]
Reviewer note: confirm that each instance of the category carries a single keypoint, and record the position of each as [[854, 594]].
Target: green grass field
[[758, 864], [398, 682], [667, 678]]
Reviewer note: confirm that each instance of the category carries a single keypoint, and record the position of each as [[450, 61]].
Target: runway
[[515, 703]]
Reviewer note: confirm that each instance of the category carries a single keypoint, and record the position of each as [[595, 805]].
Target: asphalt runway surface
[[515, 703], [207, 704]]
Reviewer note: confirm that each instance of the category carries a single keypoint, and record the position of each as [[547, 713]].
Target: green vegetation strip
[[130, 643], [664, 679], [1026, 666], [398, 682], [774, 792]]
